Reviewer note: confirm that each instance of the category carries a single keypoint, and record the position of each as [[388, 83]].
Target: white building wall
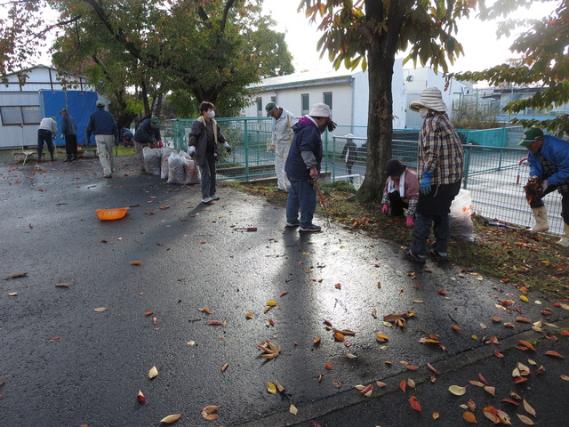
[[39, 78]]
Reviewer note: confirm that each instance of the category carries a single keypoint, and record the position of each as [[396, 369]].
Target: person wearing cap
[[147, 134], [46, 132], [103, 126], [349, 154], [303, 167], [203, 142], [69, 132], [281, 139], [548, 159], [440, 169], [401, 192]]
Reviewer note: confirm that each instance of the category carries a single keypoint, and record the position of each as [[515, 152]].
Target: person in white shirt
[[281, 139], [46, 133]]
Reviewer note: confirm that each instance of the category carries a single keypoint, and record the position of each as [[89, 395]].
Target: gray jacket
[[203, 135], [68, 126]]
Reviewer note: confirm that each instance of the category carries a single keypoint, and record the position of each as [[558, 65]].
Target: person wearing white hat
[[440, 169], [349, 154], [303, 167], [281, 139]]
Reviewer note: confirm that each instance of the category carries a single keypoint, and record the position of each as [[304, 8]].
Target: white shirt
[[282, 128], [47, 123]]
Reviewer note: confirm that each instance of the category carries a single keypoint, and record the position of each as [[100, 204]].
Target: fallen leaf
[[374, 313], [432, 369], [526, 344], [436, 415], [63, 285], [210, 412], [282, 294], [490, 390], [216, 322], [403, 385], [476, 383], [191, 343], [249, 315], [526, 420], [136, 262], [100, 309], [338, 336], [170, 419], [269, 350], [17, 275], [410, 382], [338, 286], [523, 298], [140, 397], [293, 409], [380, 384], [492, 414], [564, 332], [528, 408], [153, 373], [415, 405], [381, 337], [523, 319], [12, 294], [271, 303], [554, 354], [148, 313], [205, 310], [469, 417], [564, 377], [457, 390], [496, 319], [271, 388], [224, 367], [280, 387], [455, 328], [328, 366], [316, 341]]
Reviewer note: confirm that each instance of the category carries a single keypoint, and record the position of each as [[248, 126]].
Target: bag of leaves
[[176, 171], [152, 158], [461, 225]]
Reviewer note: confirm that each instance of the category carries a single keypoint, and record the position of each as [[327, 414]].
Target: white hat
[[432, 99], [320, 110]]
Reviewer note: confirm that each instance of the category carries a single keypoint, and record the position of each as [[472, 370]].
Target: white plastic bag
[[191, 169], [461, 225], [176, 171], [152, 158], [166, 151]]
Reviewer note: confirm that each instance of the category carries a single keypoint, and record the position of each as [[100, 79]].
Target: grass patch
[[510, 254]]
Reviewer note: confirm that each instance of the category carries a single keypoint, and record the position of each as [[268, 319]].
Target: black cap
[[395, 167]]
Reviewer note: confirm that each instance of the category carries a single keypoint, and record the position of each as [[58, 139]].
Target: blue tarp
[[79, 104]]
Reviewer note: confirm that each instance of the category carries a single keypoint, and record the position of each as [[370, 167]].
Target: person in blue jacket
[[303, 167], [103, 126], [548, 159]]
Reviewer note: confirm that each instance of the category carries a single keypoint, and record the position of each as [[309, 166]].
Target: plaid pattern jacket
[[440, 150]]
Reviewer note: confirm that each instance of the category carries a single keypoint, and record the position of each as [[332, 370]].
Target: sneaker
[[107, 176], [214, 197], [413, 257], [292, 224], [310, 228], [207, 200], [441, 257]]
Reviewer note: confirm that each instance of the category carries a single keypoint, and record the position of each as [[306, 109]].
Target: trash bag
[[166, 151], [152, 158], [176, 170], [191, 169], [461, 225]]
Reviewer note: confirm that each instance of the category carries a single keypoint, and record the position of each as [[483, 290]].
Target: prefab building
[[29, 95]]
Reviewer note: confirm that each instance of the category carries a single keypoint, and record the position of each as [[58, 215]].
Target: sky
[[482, 49]]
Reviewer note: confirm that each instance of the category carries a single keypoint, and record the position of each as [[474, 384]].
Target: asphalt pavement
[[64, 363]]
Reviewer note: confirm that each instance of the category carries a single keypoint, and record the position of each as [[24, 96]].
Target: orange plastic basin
[[111, 214]]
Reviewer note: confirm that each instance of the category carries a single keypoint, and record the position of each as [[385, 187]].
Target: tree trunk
[[144, 96], [380, 123]]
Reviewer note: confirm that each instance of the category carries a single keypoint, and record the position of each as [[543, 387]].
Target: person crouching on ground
[[202, 145], [401, 192], [548, 159], [147, 134], [303, 167], [441, 163]]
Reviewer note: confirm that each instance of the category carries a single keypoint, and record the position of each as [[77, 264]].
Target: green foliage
[[544, 50]]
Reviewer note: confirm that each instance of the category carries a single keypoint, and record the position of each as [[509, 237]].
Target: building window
[[11, 116], [305, 101], [259, 106], [328, 99], [31, 115]]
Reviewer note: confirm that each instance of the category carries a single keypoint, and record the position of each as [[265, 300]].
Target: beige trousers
[[105, 144]]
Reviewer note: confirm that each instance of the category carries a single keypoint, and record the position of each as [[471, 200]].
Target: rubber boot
[[541, 223], [52, 156], [565, 238]]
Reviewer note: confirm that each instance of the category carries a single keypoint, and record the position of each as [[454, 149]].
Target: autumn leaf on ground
[[153, 373], [399, 320], [17, 275], [148, 313], [525, 345], [432, 369], [526, 420], [224, 367], [63, 285], [328, 366], [171, 419], [293, 409], [100, 309], [554, 354], [414, 403], [270, 304], [381, 337], [457, 390], [206, 310], [282, 294], [455, 328], [249, 315], [523, 319], [338, 286], [403, 385], [528, 408], [432, 340], [436, 415], [269, 350], [316, 341], [217, 323], [12, 294], [136, 263], [271, 388], [338, 336], [469, 417], [210, 412], [140, 397], [365, 390]]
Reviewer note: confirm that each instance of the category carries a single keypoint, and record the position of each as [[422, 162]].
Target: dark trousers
[[538, 203], [71, 146], [433, 210], [397, 204], [45, 136], [207, 171], [349, 170], [301, 196]]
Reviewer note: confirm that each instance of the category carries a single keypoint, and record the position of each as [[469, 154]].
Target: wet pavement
[[65, 364]]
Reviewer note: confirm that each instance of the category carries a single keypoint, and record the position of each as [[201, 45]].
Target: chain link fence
[[495, 169]]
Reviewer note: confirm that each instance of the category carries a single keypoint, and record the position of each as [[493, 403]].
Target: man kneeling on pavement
[[401, 192], [548, 159]]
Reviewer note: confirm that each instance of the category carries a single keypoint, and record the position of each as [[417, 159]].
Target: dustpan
[[113, 214]]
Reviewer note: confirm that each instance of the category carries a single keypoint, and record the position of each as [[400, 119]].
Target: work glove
[[425, 184], [227, 147], [331, 126], [410, 221], [544, 185], [385, 209], [192, 151], [313, 173]]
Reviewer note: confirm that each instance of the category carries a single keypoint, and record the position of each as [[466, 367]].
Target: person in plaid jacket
[[440, 169]]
